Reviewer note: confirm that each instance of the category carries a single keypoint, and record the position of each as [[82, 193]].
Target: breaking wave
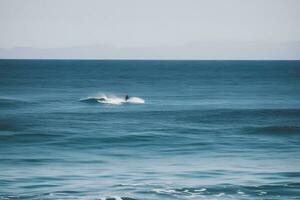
[[112, 99]]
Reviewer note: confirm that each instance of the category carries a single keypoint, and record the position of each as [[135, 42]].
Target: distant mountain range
[[207, 51]]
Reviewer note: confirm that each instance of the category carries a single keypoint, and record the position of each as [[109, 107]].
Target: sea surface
[[206, 130]]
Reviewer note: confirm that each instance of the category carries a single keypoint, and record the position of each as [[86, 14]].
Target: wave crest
[[112, 99]]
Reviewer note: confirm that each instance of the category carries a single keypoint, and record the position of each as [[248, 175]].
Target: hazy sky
[[144, 24]]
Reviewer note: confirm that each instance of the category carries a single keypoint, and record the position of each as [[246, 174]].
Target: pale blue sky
[[136, 24]]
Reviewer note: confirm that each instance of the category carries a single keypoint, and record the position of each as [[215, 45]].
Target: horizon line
[[138, 59]]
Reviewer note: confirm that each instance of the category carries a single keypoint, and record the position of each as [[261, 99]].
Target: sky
[[185, 29]]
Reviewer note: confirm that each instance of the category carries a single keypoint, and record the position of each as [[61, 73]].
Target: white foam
[[164, 191], [220, 194], [110, 100], [201, 190], [135, 100], [111, 197], [114, 100]]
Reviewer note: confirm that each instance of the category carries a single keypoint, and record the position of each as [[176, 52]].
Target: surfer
[[126, 97]]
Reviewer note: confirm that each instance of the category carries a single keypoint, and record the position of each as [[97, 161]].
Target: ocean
[[189, 130]]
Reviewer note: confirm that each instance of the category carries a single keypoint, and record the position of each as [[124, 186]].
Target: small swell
[[89, 100], [9, 102], [7, 126], [228, 190], [27, 137], [281, 129], [276, 129]]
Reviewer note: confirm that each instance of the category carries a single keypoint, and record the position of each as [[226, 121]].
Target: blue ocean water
[[207, 130]]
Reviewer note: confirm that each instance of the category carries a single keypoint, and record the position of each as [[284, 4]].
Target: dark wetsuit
[[126, 98]]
